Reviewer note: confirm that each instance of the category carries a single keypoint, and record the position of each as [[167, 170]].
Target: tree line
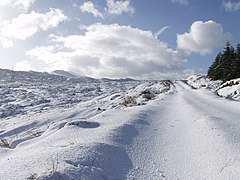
[[226, 65]]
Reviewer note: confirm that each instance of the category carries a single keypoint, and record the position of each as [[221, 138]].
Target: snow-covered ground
[[229, 89], [48, 120], [64, 126], [34, 92]]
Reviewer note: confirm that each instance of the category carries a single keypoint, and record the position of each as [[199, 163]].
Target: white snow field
[[63, 126]]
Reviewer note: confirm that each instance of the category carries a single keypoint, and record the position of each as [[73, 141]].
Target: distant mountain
[[7, 75], [65, 73], [117, 80], [74, 77], [57, 76]]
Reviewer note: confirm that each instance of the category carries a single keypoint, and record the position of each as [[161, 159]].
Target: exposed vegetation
[[4, 143], [128, 101], [226, 65]]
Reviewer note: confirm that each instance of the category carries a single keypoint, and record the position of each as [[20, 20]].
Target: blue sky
[[152, 39]]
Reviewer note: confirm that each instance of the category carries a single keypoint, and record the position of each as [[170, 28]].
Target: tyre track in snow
[[191, 134]]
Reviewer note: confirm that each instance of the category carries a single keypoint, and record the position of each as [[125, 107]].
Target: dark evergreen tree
[[226, 65], [214, 71], [237, 63], [227, 62]]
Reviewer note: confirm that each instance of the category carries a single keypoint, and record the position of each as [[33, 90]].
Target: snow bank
[[229, 89], [145, 92], [201, 81]]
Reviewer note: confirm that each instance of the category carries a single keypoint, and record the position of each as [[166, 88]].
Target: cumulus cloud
[[89, 7], [119, 7], [203, 37], [20, 4], [107, 51], [231, 6], [26, 25], [182, 2]]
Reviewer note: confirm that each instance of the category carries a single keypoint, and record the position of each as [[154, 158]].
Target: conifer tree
[[226, 65], [227, 62], [237, 69], [214, 70]]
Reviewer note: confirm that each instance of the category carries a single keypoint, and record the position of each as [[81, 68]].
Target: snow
[[201, 81], [60, 127], [22, 92], [229, 89], [65, 73]]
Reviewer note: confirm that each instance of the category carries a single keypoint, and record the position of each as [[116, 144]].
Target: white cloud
[[182, 2], [89, 7], [5, 43], [19, 4], [203, 37], [231, 6], [107, 51], [26, 25], [23, 4], [113, 7], [119, 7], [23, 66], [6, 2]]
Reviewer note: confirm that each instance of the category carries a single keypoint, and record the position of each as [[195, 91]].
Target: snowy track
[[191, 134]]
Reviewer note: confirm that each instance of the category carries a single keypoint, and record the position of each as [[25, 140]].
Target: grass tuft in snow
[[55, 163], [129, 101], [33, 177], [229, 84], [4, 143], [35, 133]]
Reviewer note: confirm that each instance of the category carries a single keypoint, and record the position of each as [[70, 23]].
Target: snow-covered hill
[[65, 73], [34, 92], [62, 127]]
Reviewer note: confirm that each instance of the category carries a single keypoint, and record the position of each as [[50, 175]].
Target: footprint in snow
[[84, 124]]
